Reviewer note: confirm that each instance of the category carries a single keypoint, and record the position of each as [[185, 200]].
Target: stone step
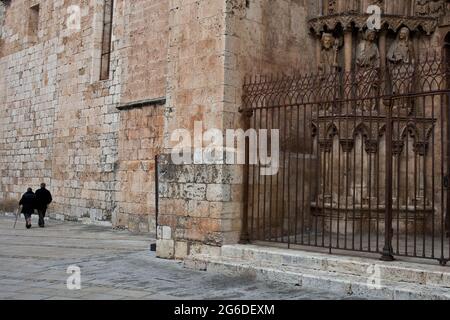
[[397, 271], [347, 284]]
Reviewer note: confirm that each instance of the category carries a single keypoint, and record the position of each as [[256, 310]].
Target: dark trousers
[[28, 219], [447, 225], [41, 213]]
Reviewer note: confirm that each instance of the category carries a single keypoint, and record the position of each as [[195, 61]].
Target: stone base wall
[[200, 207], [60, 124]]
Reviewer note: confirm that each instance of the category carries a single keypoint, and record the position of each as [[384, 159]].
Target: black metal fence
[[363, 160]]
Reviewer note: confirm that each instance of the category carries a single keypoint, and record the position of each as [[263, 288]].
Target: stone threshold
[[353, 276]]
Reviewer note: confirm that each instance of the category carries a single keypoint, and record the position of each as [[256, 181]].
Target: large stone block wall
[[145, 54], [86, 124], [59, 123], [140, 140], [28, 98], [198, 205], [213, 46], [195, 92]]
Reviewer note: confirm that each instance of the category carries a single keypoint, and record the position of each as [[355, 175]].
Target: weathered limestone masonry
[[94, 141], [144, 32], [213, 46], [60, 123], [2, 16]]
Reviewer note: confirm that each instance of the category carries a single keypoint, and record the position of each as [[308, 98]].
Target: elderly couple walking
[[35, 201]]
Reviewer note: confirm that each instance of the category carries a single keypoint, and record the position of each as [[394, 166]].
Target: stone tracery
[[366, 56]]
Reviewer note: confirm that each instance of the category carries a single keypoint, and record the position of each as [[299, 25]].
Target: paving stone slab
[[112, 272]]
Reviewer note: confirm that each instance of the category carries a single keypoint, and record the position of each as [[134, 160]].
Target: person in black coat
[[28, 203], [43, 199]]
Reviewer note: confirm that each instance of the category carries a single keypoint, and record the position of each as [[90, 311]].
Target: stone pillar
[[325, 147], [371, 187], [383, 47], [318, 50], [2, 17], [347, 147], [200, 204], [348, 48], [420, 150], [397, 149]]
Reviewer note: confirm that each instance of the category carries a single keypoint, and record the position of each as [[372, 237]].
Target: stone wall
[[214, 45], [59, 123], [140, 135], [2, 17], [194, 93], [145, 54], [28, 100], [198, 207]]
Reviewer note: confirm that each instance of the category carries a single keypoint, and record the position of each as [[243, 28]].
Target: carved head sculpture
[[401, 50], [327, 40], [370, 35], [403, 35]]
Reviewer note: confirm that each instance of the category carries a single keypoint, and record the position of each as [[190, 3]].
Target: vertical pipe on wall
[[348, 47], [153, 245], [388, 232]]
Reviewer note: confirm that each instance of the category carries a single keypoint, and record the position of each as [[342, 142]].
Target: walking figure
[[43, 199], [28, 202]]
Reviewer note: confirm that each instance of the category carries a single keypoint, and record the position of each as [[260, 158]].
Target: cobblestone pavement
[[114, 265]]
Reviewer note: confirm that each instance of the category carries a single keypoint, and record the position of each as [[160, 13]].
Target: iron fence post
[[447, 173], [245, 236], [388, 251]]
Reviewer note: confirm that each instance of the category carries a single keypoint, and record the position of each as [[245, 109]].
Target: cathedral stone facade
[[90, 92]]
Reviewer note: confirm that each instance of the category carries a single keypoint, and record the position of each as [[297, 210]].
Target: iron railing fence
[[363, 160]]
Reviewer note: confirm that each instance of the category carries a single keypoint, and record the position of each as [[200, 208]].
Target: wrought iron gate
[[363, 161]]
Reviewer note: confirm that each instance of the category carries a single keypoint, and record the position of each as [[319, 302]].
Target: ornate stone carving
[[368, 63], [393, 22], [379, 3], [401, 51], [329, 53], [326, 145], [371, 146], [421, 148], [332, 6], [437, 8], [401, 60], [397, 147], [434, 8], [347, 145], [368, 54], [422, 8]]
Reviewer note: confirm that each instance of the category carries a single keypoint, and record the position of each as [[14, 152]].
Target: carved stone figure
[[422, 7], [401, 61], [328, 67], [368, 64], [351, 6], [401, 51], [437, 8], [332, 6], [328, 56], [368, 55]]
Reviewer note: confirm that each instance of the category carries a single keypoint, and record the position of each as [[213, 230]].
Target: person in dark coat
[[28, 203], [43, 199]]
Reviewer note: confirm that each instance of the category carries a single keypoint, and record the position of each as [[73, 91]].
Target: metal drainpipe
[[153, 245]]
